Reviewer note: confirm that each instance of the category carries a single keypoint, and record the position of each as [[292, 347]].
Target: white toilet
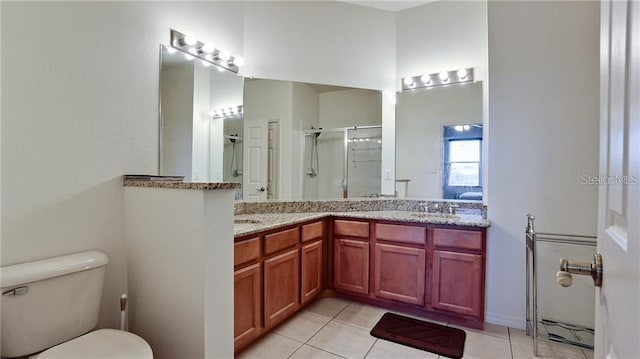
[[49, 308]]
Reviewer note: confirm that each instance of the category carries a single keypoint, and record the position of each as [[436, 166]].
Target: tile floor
[[333, 328]]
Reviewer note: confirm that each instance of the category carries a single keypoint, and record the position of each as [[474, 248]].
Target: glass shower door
[[363, 166]]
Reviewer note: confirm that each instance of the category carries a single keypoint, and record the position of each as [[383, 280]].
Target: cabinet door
[[456, 282], [399, 273], [311, 270], [281, 287], [247, 302], [351, 266]]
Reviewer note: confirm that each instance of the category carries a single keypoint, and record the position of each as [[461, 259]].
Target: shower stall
[[342, 162]]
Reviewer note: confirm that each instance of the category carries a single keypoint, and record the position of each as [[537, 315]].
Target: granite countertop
[[247, 224], [182, 185]]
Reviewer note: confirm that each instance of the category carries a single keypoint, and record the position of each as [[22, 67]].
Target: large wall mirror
[[321, 141], [439, 142], [293, 140], [200, 120]]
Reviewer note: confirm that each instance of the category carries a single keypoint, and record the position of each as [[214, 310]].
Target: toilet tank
[[50, 301]]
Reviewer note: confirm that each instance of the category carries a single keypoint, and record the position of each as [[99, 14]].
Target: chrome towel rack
[[531, 239]]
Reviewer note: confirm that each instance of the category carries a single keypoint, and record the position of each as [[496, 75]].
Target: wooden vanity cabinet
[[399, 268], [276, 272], [312, 261], [457, 275], [351, 256], [281, 287], [247, 287]]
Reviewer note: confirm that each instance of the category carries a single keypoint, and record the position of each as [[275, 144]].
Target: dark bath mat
[[422, 335]]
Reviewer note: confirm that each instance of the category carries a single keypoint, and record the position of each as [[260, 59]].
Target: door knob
[[262, 189], [593, 269]]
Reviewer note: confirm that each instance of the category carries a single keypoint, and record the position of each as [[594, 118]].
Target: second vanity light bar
[[438, 79], [188, 44]]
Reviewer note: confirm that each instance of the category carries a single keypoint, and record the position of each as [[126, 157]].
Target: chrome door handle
[[261, 189], [593, 269]]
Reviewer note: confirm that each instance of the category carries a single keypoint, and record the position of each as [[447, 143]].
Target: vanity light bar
[[225, 112], [188, 44], [438, 79]]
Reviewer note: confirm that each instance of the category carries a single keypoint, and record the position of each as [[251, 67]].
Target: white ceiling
[[392, 6]]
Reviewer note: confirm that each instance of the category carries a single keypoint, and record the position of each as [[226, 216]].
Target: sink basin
[[435, 215], [246, 221]]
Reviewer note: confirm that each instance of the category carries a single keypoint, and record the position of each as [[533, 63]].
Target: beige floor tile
[[520, 336], [343, 340], [522, 351], [480, 346], [361, 315], [273, 346], [384, 349], [307, 352], [303, 326], [489, 329], [328, 307]]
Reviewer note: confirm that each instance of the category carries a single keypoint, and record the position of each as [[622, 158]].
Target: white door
[[272, 160], [618, 300], [254, 183]]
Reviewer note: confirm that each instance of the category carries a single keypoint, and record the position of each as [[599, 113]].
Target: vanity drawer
[[401, 233], [456, 238], [246, 251], [343, 227], [312, 231], [280, 240]]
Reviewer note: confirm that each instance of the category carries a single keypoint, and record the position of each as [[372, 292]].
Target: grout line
[[327, 323], [326, 351], [510, 344], [371, 347]]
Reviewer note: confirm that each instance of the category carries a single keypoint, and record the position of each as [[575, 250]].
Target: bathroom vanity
[[426, 265]]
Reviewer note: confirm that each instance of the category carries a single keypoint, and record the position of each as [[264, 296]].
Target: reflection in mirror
[[319, 141], [430, 161], [200, 120]]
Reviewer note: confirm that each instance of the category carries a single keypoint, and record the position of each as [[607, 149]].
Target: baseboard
[[505, 320]]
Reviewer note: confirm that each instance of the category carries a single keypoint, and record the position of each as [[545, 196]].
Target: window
[[462, 172], [464, 162]]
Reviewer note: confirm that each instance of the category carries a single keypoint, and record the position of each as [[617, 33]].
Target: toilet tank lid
[[20, 274]]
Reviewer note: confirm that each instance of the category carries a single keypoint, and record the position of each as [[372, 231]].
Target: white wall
[[325, 42], [306, 114], [543, 133], [421, 116], [80, 108], [446, 35]]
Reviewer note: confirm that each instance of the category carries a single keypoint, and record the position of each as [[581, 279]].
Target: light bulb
[[462, 74], [204, 63], [170, 49], [189, 39], [223, 55], [379, 141], [238, 61], [212, 113], [466, 127], [444, 76], [408, 81], [193, 50], [367, 139], [459, 128], [426, 79], [207, 49], [349, 140], [188, 57], [220, 68], [209, 57]]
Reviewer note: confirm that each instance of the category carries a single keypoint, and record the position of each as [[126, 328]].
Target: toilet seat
[[100, 344]]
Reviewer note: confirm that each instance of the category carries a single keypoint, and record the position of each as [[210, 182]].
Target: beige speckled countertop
[[247, 224], [203, 186]]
